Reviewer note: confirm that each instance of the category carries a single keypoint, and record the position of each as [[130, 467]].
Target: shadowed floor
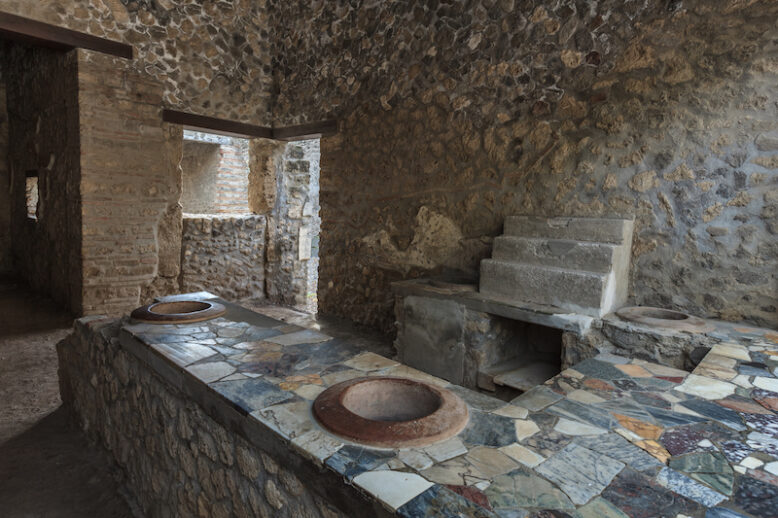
[[47, 468]]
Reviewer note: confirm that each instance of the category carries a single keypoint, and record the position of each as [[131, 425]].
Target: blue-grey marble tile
[[485, 429], [709, 409], [753, 369], [352, 460], [251, 394], [537, 398], [627, 407], [616, 447], [651, 400], [668, 418], [721, 512], [600, 370], [686, 486], [581, 412], [655, 383], [441, 502], [580, 472]]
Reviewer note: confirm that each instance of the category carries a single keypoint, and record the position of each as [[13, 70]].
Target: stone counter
[[214, 419]]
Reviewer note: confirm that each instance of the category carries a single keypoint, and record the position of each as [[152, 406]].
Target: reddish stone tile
[[748, 407], [473, 494], [766, 398], [763, 476], [598, 384], [636, 371], [673, 379]]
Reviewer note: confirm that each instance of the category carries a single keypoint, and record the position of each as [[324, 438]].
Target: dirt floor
[[47, 468]]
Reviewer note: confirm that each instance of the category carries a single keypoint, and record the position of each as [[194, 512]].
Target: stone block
[[605, 230], [564, 253], [589, 293], [430, 338]]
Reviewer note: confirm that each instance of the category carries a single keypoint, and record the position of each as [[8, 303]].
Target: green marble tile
[[710, 468], [599, 508], [521, 489]]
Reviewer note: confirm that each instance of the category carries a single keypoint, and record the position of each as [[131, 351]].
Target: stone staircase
[[573, 265]]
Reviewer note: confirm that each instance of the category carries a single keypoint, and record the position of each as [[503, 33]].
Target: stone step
[[563, 253], [587, 293], [603, 230], [527, 376]]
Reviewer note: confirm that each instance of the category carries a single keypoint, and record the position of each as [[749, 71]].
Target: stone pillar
[[285, 183]]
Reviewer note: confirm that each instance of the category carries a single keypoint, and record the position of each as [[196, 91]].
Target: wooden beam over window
[[218, 126], [229, 128], [25, 30], [306, 131]]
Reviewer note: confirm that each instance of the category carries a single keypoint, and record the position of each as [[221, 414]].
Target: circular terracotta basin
[[390, 412], [664, 318], [179, 312]]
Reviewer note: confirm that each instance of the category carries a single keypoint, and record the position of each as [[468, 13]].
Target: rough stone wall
[[212, 58], [293, 224], [130, 187], [456, 114], [6, 257], [175, 459], [224, 255], [43, 136]]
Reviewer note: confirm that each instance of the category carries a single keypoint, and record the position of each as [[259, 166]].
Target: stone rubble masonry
[[43, 125], [176, 458], [130, 187], [454, 115], [224, 254], [211, 58]]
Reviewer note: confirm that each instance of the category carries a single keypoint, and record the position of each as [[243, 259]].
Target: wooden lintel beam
[[242, 130], [18, 28], [214, 125], [306, 131]]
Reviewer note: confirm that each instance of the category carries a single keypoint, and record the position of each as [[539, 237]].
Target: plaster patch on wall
[[437, 241]]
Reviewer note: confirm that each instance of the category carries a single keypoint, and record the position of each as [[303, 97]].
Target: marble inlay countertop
[[610, 437]]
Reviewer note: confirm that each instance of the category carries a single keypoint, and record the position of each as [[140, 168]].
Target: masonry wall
[[43, 136], [130, 187], [6, 255], [174, 457], [454, 115], [224, 254], [293, 224], [210, 58]]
